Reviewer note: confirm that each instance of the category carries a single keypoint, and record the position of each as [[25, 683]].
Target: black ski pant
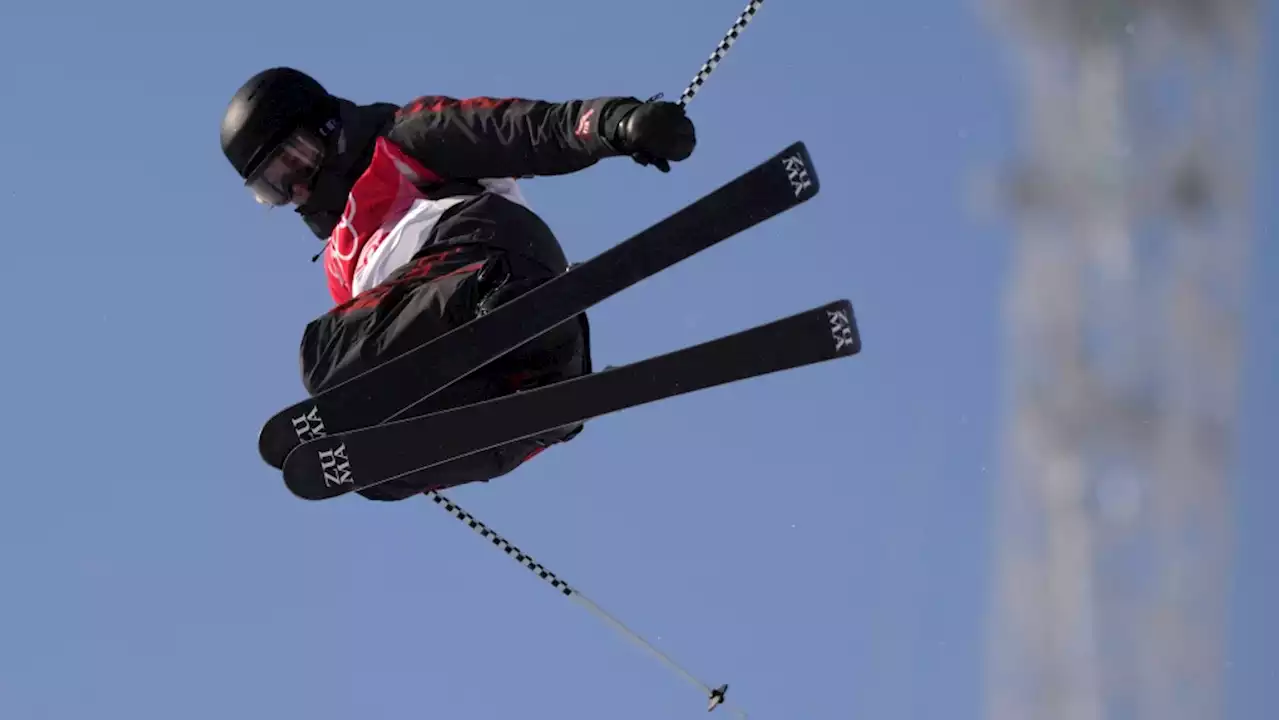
[[443, 287]]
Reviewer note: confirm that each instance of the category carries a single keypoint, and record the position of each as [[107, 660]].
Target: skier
[[426, 228]]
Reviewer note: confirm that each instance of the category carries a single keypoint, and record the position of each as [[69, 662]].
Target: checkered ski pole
[[715, 696], [721, 50]]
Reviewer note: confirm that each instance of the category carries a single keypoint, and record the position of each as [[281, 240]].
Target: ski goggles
[[291, 163]]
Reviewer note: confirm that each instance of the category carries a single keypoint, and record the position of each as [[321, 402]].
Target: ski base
[[781, 183], [358, 459]]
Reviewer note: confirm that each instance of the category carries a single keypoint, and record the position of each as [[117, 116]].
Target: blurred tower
[[1132, 200]]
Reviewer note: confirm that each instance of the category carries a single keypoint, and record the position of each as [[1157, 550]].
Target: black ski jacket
[[466, 139]]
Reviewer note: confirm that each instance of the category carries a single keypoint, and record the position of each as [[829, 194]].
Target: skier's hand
[[656, 133]]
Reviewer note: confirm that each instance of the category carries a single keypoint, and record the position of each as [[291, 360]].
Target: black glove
[[655, 133]]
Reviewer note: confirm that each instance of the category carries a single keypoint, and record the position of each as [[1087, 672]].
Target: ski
[[355, 460], [782, 182]]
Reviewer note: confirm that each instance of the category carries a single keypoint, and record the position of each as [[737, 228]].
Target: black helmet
[[275, 130]]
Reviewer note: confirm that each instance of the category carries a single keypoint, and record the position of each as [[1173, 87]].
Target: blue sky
[[818, 539]]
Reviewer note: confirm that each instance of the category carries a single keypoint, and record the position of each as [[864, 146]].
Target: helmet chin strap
[[322, 249]]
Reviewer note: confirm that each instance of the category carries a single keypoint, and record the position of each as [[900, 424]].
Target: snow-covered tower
[[1131, 199]]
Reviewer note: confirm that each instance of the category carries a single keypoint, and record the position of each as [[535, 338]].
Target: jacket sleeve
[[512, 137]]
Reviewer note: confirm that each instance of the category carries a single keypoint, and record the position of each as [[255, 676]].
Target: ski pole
[[721, 50], [716, 696]]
